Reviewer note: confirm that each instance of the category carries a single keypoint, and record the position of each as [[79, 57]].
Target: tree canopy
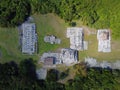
[[23, 77], [14, 12], [95, 79], [94, 13]]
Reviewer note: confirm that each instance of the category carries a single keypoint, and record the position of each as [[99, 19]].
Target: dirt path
[[89, 31]]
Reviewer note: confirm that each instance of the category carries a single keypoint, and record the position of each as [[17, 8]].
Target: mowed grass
[[46, 25], [51, 24], [9, 45], [93, 49]]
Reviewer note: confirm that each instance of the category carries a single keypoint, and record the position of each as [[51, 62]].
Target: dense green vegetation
[[23, 77], [94, 79], [68, 9], [94, 13], [13, 12]]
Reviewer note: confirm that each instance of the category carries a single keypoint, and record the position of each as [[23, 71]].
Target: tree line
[[94, 13], [22, 76], [68, 9], [94, 79], [98, 14], [14, 12]]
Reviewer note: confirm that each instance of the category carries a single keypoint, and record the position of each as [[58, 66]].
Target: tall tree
[[14, 12]]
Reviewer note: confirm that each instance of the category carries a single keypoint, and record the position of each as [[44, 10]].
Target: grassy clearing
[[46, 25], [93, 49], [93, 46], [9, 45], [51, 25]]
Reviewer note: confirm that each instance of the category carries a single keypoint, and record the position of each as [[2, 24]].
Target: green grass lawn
[[93, 50], [46, 25], [9, 46], [50, 25]]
